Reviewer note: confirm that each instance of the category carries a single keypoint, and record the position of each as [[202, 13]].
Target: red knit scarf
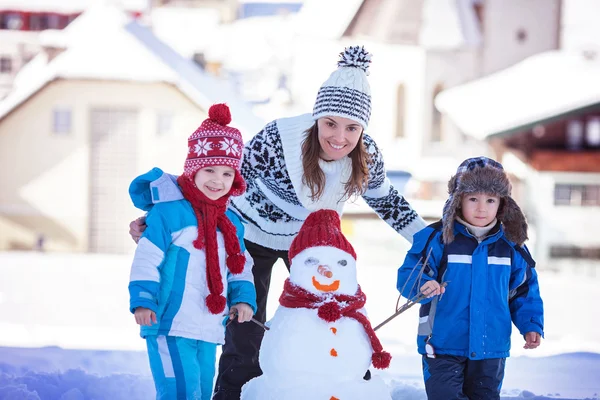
[[332, 307], [211, 215]]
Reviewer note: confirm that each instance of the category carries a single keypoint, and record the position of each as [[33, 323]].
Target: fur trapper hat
[[484, 175]]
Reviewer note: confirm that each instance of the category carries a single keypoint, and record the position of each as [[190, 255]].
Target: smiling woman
[[296, 166], [332, 138]]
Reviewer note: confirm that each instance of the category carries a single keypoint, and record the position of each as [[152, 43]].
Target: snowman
[[320, 342]]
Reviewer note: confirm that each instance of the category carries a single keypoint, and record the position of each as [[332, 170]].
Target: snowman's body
[[298, 337], [303, 356]]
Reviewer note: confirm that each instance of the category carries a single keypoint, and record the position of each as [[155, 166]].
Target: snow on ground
[[66, 332]]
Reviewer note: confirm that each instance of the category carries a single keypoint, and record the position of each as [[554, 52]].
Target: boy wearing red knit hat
[[191, 268]]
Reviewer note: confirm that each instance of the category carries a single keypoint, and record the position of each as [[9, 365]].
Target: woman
[[295, 166]]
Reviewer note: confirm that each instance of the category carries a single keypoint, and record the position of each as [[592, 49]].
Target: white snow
[[542, 86], [80, 303]]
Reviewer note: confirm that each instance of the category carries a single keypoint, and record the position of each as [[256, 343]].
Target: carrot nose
[[325, 271]]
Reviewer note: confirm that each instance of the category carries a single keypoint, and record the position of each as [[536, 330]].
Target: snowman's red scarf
[[332, 307], [211, 215]]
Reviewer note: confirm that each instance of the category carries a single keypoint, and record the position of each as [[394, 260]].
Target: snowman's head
[[322, 259], [324, 269]]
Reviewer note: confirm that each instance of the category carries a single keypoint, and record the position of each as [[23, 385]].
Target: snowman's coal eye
[[343, 263], [311, 261]]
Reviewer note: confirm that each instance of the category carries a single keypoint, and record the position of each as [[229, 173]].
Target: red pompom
[[215, 303], [381, 359], [235, 263], [220, 114], [330, 312]]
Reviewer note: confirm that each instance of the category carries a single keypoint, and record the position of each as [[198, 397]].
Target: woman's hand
[[136, 228], [242, 310]]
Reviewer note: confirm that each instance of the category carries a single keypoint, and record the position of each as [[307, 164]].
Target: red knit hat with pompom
[[321, 228], [215, 143]]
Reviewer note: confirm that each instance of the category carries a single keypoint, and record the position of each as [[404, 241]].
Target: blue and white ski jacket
[[490, 284], [168, 274]]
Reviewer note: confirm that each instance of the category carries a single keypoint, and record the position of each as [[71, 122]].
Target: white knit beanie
[[346, 93]]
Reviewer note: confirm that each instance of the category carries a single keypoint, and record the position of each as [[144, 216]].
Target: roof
[[128, 51], [449, 25], [66, 6], [434, 24], [541, 87], [327, 18]]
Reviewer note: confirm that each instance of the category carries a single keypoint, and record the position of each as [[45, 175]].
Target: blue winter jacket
[[490, 284], [168, 274]]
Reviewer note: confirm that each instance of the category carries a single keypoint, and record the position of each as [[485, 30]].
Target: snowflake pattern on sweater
[[269, 183], [263, 157]]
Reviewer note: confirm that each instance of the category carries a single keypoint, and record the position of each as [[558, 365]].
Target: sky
[[66, 332]]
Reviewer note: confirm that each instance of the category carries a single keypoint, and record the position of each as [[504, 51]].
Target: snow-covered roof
[[449, 24], [125, 50], [67, 6], [327, 19], [188, 30], [540, 87], [443, 23], [251, 43]]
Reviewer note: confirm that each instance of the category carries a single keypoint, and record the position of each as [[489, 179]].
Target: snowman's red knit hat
[[321, 228]]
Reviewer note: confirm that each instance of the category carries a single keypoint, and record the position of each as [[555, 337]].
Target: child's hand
[[243, 311], [532, 340], [137, 227], [145, 316], [432, 288]]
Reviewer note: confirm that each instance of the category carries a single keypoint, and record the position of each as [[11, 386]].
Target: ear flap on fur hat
[[449, 214], [515, 225]]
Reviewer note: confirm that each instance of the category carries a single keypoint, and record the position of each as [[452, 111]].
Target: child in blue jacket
[[478, 249], [190, 264]]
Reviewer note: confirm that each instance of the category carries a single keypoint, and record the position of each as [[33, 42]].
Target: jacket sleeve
[[525, 302], [385, 200], [412, 274], [144, 281], [240, 287]]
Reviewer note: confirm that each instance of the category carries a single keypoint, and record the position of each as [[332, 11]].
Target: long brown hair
[[314, 177]]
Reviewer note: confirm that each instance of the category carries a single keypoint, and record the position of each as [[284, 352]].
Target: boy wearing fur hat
[[189, 258], [478, 249]]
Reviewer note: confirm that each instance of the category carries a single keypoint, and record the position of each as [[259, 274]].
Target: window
[[53, 21], [479, 12], [5, 65], [592, 131], [11, 21], [38, 22], [400, 110], [164, 123], [436, 119], [574, 134], [61, 123], [576, 195], [590, 253], [590, 195], [521, 35]]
